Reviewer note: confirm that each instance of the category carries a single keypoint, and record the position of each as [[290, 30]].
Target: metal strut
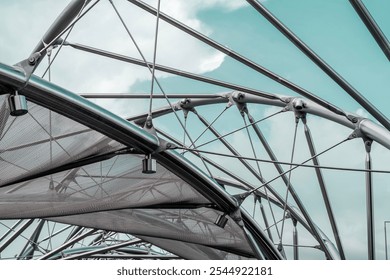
[[348, 88], [324, 192], [372, 26], [369, 203]]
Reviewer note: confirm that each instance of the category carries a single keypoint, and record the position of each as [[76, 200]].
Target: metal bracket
[[148, 126], [28, 66], [357, 133], [186, 106]]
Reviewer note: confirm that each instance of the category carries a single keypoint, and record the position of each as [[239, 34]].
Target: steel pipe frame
[[348, 88], [373, 132], [15, 235], [372, 26], [91, 115], [259, 177], [369, 204], [62, 21], [324, 192], [93, 250], [238, 57], [368, 128], [278, 200], [167, 69], [32, 243], [67, 244]]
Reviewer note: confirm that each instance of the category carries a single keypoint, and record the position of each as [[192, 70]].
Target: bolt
[[32, 60]]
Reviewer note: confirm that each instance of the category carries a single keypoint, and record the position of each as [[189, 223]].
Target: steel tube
[[168, 70], [348, 88], [324, 192], [372, 26], [67, 244], [370, 208], [238, 57]]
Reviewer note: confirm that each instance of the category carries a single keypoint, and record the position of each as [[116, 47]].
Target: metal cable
[[258, 168], [241, 128], [289, 181], [156, 80], [204, 131], [154, 58], [61, 45]]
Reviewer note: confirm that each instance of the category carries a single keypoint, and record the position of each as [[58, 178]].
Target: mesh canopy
[[41, 140], [192, 251], [186, 225], [112, 184], [111, 194]]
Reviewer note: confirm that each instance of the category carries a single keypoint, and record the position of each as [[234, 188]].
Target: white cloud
[[81, 72]]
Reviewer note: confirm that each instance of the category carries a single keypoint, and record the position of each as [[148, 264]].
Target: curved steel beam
[[239, 57], [348, 88]]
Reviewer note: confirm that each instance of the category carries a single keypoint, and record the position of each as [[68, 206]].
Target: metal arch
[[277, 200], [89, 114], [367, 127]]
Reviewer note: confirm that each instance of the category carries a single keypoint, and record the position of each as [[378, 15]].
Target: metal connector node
[[298, 104]]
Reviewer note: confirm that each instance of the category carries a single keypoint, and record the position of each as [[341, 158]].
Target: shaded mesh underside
[[107, 194], [194, 226]]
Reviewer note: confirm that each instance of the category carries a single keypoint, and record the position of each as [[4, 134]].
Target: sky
[[331, 28]]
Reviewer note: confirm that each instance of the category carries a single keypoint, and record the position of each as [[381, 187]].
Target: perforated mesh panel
[[41, 140], [187, 225], [112, 194]]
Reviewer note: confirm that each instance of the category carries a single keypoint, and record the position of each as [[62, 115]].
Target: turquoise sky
[[331, 28]]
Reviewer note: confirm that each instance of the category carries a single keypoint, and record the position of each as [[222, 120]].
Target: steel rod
[[372, 26], [170, 70], [295, 240], [292, 190], [67, 244], [103, 250], [324, 192], [348, 88], [369, 204], [10, 229], [238, 57], [145, 96], [32, 243], [266, 224], [15, 235]]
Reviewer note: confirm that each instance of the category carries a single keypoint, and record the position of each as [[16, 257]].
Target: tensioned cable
[[289, 181], [258, 168], [287, 163], [67, 28], [21, 235], [62, 43], [239, 58], [59, 36], [204, 131], [287, 171], [241, 128], [69, 155], [154, 58], [184, 134], [50, 122], [156, 80]]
